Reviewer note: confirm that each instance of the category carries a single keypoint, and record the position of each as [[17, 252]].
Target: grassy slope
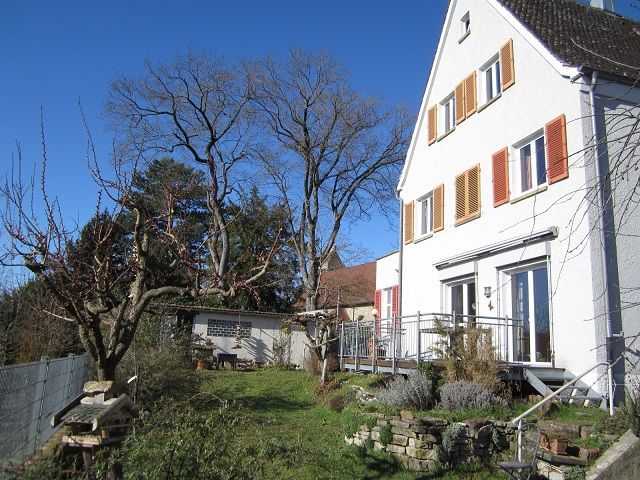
[[283, 405]]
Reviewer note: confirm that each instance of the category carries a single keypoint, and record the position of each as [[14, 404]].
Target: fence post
[[38, 404], [394, 342], [71, 358], [341, 345], [505, 339], [418, 341], [357, 360]]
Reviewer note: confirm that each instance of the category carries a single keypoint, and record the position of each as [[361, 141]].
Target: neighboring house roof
[[582, 36], [202, 308], [348, 286]]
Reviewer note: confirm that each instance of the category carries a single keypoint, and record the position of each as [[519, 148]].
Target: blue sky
[[53, 53]]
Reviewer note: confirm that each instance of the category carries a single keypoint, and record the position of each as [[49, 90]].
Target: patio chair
[[522, 465]]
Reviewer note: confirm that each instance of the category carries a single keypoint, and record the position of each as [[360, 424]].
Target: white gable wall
[[539, 95]]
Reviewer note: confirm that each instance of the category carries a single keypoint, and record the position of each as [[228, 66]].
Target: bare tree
[[332, 154], [195, 109]]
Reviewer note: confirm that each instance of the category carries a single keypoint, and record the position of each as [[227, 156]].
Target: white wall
[[387, 271], [539, 95], [259, 347]]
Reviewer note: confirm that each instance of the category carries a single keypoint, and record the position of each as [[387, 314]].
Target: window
[[491, 85], [529, 291], [448, 113], [426, 214], [387, 303], [530, 166], [465, 26], [227, 328], [468, 195], [460, 297]]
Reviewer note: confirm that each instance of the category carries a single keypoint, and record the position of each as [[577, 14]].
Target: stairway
[[547, 380]]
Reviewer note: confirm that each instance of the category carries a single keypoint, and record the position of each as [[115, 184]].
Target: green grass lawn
[[283, 405]]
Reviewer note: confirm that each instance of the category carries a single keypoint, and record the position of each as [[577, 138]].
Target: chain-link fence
[[30, 393]]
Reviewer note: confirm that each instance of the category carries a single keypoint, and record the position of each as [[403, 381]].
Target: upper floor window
[[426, 214], [490, 79], [448, 113], [530, 164], [465, 26]]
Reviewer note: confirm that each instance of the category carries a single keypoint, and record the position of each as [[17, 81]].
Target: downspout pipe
[[400, 252], [601, 191]]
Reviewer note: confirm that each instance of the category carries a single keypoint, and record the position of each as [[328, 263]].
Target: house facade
[[519, 186]]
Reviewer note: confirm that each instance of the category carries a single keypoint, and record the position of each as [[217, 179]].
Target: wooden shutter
[[460, 103], [377, 300], [507, 70], [432, 118], [473, 191], [557, 158], [394, 301], [438, 208], [468, 194], [461, 197], [500, 163], [470, 94], [408, 222]]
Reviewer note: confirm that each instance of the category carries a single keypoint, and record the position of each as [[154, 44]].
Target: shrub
[[163, 370], [631, 407], [415, 392], [386, 436], [461, 394], [469, 354], [337, 403], [450, 437]]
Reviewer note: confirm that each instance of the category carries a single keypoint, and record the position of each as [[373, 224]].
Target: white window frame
[[387, 303], [507, 298], [490, 82], [536, 143], [448, 114], [425, 215], [465, 26], [466, 281]]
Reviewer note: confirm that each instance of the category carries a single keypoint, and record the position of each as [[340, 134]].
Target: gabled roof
[[582, 36], [348, 286]]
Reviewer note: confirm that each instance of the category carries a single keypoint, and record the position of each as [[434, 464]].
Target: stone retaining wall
[[420, 443]]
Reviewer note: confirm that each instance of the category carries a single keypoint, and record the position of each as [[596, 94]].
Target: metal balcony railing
[[426, 337]]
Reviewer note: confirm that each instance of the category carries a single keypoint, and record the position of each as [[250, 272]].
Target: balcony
[[397, 344]]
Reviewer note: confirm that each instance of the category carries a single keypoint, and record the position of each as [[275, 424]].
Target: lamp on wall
[[374, 312], [487, 292]]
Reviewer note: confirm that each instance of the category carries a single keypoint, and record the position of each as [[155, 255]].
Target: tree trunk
[[324, 378], [106, 372]]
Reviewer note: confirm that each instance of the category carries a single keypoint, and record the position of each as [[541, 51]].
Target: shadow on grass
[[271, 403], [374, 464]]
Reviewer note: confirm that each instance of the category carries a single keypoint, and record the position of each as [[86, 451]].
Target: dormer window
[[465, 26], [490, 82]]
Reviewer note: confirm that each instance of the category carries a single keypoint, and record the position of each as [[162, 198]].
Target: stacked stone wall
[[421, 443]]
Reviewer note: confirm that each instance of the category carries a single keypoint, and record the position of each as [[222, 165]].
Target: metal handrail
[[567, 385]]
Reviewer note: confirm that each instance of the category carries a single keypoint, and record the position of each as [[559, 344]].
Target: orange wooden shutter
[[473, 191], [438, 208], [461, 197], [507, 70], [500, 162], [470, 94], [408, 222], [460, 103], [377, 300], [432, 117], [557, 158]]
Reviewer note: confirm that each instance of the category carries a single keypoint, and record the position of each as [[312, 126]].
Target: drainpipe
[[400, 251], [603, 254]]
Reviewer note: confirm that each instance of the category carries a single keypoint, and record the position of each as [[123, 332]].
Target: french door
[[528, 289]]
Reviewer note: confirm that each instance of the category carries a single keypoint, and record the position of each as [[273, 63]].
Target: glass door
[[461, 299], [530, 305]]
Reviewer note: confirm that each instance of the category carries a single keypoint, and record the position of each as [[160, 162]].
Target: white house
[[520, 183]]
